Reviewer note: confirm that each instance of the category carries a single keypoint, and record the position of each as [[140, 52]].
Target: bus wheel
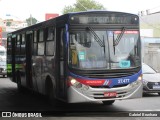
[[158, 93], [108, 102], [51, 95]]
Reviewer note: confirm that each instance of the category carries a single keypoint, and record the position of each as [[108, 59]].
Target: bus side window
[[35, 43], [62, 44], [50, 49], [23, 45], [41, 42]]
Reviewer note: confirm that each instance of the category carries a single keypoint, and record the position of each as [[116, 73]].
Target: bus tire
[[158, 93], [108, 102], [50, 92]]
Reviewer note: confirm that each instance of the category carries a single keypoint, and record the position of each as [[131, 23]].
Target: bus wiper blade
[[116, 42], [99, 41]]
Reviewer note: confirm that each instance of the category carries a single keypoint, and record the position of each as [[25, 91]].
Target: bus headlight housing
[[137, 81], [140, 78], [74, 82]]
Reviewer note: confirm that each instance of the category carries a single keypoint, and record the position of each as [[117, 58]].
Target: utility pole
[[31, 22]]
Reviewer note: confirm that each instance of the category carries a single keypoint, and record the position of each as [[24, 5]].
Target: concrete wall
[[151, 55]]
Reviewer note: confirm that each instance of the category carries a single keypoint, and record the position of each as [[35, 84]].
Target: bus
[[3, 63], [79, 57]]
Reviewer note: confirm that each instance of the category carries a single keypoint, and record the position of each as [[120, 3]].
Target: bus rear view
[[104, 57]]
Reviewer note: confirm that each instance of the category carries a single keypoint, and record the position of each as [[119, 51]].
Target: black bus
[[79, 57]]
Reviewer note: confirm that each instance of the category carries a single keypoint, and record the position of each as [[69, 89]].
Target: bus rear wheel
[[158, 93], [51, 94], [108, 102]]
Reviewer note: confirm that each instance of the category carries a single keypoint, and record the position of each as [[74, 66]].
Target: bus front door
[[28, 69], [60, 77]]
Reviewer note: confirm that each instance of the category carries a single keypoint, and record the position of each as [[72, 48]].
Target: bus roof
[[64, 18]]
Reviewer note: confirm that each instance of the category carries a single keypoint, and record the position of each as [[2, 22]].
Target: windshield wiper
[[99, 41], [116, 42]]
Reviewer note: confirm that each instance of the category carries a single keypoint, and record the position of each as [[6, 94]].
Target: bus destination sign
[[104, 20]]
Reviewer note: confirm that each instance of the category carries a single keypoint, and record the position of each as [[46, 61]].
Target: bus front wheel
[[108, 102]]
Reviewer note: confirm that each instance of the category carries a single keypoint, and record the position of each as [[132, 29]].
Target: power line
[[82, 5], [155, 7]]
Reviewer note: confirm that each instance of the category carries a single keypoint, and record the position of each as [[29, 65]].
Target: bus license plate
[[156, 87], [110, 94]]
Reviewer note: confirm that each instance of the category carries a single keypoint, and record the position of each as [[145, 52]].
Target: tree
[[83, 5], [31, 21]]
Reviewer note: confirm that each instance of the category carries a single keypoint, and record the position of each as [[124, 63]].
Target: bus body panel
[[132, 88]]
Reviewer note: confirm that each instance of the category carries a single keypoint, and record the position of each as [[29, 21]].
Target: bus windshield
[[86, 52]]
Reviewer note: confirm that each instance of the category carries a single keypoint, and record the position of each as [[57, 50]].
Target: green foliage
[[8, 23], [83, 5], [31, 21]]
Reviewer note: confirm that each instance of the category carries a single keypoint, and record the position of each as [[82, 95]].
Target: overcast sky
[[21, 9]]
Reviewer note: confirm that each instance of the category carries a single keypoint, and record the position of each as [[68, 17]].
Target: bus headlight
[[140, 78], [75, 83], [137, 81]]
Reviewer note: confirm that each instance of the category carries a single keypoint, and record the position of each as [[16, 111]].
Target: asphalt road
[[12, 100]]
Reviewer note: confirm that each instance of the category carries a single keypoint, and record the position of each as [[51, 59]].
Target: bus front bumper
[[79, 95]]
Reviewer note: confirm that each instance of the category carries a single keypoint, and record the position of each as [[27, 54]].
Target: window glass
[[41, 48], [35, 36], [18, 40], [50, 33], [41, 36], [61, 44], [50, 48], [35, 49], [23, 38]]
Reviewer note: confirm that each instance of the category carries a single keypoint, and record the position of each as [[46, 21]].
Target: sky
[[22, 9]]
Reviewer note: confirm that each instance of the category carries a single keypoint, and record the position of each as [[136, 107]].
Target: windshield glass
[[96, 49]]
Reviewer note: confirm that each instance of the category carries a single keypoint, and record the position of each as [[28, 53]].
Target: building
[[150, 24], [50, 15]]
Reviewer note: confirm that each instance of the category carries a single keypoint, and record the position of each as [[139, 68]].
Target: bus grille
[[108, 75], [115, 86]]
